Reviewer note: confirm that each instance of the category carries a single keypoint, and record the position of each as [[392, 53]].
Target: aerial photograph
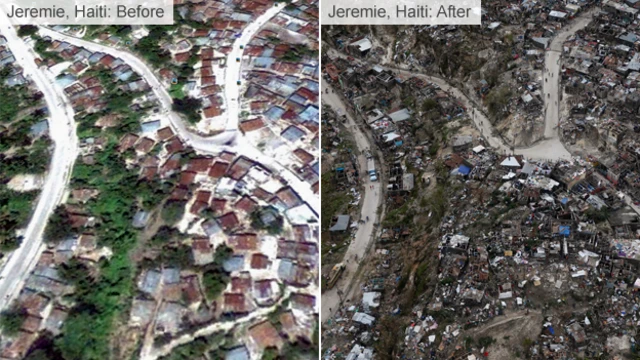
[[481, 185], [160, 186]]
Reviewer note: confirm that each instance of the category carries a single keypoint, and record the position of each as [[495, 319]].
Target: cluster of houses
[[224, 195], [282, 91]]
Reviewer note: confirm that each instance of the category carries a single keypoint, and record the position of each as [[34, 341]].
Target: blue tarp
[[564, 230], [464, 170]]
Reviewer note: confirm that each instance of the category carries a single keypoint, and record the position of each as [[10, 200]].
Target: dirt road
[[364, 235]]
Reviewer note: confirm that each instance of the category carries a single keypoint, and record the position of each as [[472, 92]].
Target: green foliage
[[11, 320], [188, 106], [122, 31], [32, 160], [177, 256], [12, 99], [15, 208], [59, 226], [86, 332], [41, 47], [197, 348], [402, 216], [27, 30], [270, 354], [75, 272], [214, 282], [421, 277], [297, 52], [165, 235], [176, 91], [194, 57], [38, 354], [149, 47], [437, 203], [433, 148], [173, 211], [215, 278]]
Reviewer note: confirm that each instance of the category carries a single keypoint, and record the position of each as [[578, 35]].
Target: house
[[238, 353], [511, 161], [202, 251], [228, 221], [341, 223], [265, 335], [218, 169], [360, 47], [235, 304]]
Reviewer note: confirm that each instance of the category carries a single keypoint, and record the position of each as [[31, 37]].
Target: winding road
[[551, 147], [62, 130], [364, 235], [231, 139]]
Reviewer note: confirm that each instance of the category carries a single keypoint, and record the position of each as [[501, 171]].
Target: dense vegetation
[[101, 298], [118, 102], [41, 47], [149, 46], [33, 160], [188, 106], [102, 292], [298, 52], [213, 344], [59, 226], [15, 208], [13, 99], [11, 320], [100, 295], [151, 50], [27, 30], [28, 155], [215, 278], [173, 211]]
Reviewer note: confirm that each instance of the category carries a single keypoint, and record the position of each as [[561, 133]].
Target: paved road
[[232, 75], [364, 234], [231, 140], [233, 72], [62, 132]]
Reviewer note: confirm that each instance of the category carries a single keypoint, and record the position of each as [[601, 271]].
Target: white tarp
[[363, 318]]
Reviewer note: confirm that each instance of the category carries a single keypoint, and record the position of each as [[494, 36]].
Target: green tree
[[11, 320], [270, 354], [59, 226], [27, 30], [188, 106], [173, 211]]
